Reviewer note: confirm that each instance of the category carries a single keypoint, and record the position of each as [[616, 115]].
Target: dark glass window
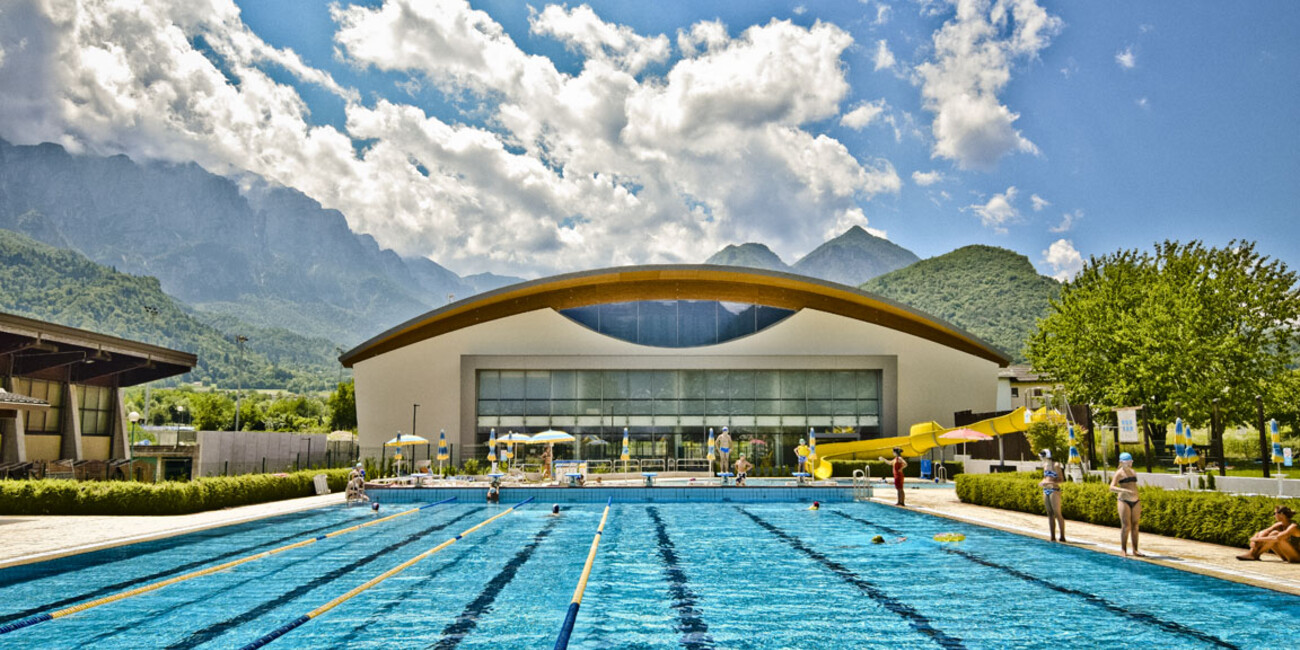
[[677, 323]]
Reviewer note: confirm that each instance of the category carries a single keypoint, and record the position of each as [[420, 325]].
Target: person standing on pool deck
[[1124, 485], [897, 464], [801, 452], [1051, 484], [742, 470], [724, 451]]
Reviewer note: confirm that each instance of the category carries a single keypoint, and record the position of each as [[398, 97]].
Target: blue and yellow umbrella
[[443, 452], [1074, 451], [1180, 442], [492, 446], [812, 442], [1277, 441], [711, 455], [625, 455]]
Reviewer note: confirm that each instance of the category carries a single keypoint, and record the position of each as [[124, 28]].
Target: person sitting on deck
[[1282, 538]]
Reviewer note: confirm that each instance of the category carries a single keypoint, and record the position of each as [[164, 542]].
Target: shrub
[[65, 497], [878, 469], [1212, 517]]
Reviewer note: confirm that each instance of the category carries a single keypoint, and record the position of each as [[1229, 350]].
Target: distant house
[[72, 380], [1021, 386]]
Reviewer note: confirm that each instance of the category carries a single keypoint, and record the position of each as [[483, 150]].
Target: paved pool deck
[[1197, 557], [25, 539]]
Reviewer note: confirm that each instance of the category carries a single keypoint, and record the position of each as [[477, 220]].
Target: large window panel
[[513, 385], [793, 384], [698, 323], [640, 384], [735, 320], [563, 384], [767, 384], [590, 383], [717, 381], [819, 384], [658, 324], [614, 384], [619, 320]]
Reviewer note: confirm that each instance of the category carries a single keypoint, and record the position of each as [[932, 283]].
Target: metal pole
[[1265, 452], [240, 339], [1092, 436], [1146, 433], [1216, 440]]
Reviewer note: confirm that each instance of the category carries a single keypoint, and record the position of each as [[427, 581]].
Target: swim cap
[[1126, 457], [802, 441], [555, 508], [1046, 453]]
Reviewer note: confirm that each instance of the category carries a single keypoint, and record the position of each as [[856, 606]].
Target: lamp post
[[240, 340], [134, 417], [180, 415], [414, 409]]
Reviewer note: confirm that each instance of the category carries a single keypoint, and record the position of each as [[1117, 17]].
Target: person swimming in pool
[[1124, 485], [494, 491], [817, 505], [1051, 484]]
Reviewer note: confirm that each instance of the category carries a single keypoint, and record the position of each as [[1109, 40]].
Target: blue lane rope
[[291, 625], [571, 617]]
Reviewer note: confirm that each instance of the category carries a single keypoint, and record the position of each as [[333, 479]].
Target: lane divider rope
[[570, 618], [294, 624], [122, 595]]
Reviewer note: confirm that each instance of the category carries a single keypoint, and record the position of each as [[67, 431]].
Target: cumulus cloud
[[973, 55], [925, 179], [998, 211], [862, 115], [848, 219], [1067, 221], [1038, 202], [884, 59], [1065, 261], [1126, 58], [556, 170]]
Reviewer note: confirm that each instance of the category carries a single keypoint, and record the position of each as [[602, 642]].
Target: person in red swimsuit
[[897, 464]]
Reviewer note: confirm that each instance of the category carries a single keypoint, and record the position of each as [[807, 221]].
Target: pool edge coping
[[162, 534], [1283, 585]]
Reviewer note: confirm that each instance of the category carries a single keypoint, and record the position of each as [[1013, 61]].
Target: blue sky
[[550, 138]]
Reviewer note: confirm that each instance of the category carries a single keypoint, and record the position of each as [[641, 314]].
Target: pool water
[[757, 576]]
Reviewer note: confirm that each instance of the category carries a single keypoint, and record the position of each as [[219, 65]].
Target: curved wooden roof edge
[[675, 282]]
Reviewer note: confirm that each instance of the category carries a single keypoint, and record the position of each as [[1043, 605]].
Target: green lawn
[[1287, 472]]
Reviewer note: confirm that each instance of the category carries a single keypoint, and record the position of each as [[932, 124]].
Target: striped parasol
[[812, 442], [443, 452], [1277, 441], [492, 446], [1074, 451], [711, 455], [1180, 442], [625, 455]]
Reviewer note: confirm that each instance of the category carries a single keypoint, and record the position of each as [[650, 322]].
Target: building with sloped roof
[[668, 352]]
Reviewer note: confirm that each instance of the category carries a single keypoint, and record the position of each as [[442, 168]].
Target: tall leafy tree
[[1174, 329], [343, 406]]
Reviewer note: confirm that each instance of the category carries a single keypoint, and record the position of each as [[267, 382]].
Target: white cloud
[[884, 59], [998, 211], [1126, 58], [1038, 202], [849, 218], [973, 55], [882, 14], [799, 10], [925, 179], [862, 115], [582, 30], [1067, 221], [1066, 262], [1143, 103]]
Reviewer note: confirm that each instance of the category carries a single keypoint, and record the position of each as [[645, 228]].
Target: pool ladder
[[862, 490], [940, 473]]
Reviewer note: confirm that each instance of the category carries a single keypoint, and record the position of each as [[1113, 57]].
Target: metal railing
[[862, 489], [941, 474]]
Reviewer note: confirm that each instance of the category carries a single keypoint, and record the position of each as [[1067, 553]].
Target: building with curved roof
[[668, 352]]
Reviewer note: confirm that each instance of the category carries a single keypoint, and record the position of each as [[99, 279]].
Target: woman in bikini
[[1282, 538], [1051, 484], [1124, 485]]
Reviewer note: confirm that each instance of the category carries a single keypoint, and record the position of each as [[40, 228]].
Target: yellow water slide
[[925, 436]]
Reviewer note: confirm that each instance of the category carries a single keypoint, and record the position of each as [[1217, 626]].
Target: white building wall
[[930, 380]]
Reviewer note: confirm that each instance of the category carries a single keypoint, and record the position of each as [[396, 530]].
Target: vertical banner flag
[[1128, 426]]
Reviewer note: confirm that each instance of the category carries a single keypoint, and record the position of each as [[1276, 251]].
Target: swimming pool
[[669, 575]]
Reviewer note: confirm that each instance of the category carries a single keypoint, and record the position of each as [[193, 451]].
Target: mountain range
[[240, 255]]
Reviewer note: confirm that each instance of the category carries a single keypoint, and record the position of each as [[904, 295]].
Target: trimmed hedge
[[1212, 517], [66, 497], [845, 468]]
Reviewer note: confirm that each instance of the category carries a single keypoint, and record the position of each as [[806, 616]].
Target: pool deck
[[35, 538], [1198, 557]]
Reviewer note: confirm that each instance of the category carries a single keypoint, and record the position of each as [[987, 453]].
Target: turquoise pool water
[[693, 575]]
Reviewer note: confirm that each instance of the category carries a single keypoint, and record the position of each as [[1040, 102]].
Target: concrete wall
[[922, 380], [245, 451]]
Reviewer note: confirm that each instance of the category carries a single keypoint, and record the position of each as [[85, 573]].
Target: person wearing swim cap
[[897, 464], [802, 452], [1051, 484], [815, 506], [724, 451], [555, 510], [1124, 485]]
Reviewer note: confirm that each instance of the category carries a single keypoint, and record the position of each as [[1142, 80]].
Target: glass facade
[[677, 323], [46, 420], [96, 410]]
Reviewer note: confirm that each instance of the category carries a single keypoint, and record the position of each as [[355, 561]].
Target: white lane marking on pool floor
[[1114, 549]]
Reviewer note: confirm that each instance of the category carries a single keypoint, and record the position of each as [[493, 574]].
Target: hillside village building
[[668, 352]]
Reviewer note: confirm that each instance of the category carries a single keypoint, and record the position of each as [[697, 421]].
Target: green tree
[[343, 407], [1174, 329]]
